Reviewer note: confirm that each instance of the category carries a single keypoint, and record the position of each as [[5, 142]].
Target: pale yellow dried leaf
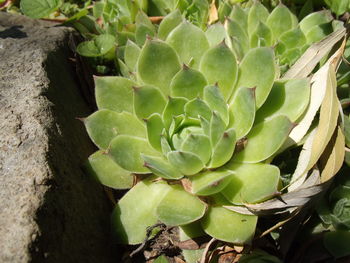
[[213, 13]]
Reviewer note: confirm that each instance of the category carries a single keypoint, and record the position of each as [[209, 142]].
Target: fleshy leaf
[[216, 102], [318, 33], [157, 65], [114, 93], [39, 8], [187, 163], [234, 30], [215, 33], [259, 73], [131, 55], [337, 243], [171, 21], [179, 207], [217, 128], [242, 111], [188, 50], [161, 167], [196, 108], [293, 38], [219, 66], [141, 33], [257, 13], [251, 183], [148, 100], [98, 46], [265, 139], [136, 211], [103, 125], [174, 107], [239, 229], [199, 145], [210, 182], [314, 19], [188, 83], [262, 36], [165, 145], [125, 150], [280, 20], [239, 15], [290, 98], [107, 172], [155, 128], [224, 149]]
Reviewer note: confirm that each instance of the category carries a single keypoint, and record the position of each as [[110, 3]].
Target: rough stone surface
[[50, 211]]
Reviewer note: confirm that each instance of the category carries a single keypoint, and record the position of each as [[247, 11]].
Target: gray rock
[[50, 211]]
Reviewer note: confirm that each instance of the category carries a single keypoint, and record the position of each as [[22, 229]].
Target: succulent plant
[[197, 128]]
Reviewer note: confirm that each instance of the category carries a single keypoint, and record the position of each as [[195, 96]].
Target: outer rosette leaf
[[179, 207], [148, 100]]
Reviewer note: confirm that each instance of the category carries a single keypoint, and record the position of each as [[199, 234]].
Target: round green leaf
[[161, 167], [125, 150], [259, 73], [257, 13], [39, 8], [280, 20], [157, 65], [315, 19], [98, 46], [179, 207], [196, 108], [131, 55], [189, 42], [169, 22], [224, 149], [199, 145], [148, 100], [219, 66], [103, 125], [155, 127], [215, 33], [107, 172], [251, 183], [265, 139], [114, 93], [239, 229], [188, 83], [187, 163], [262, 36]]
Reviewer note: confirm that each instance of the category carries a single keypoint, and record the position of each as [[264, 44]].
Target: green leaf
[[219, 66], [215, 100], [251, 183], [280, 20], [161, 167], [293, 38], [157, 65], [171, 21], [188, 83], [337, 243], [259, 73], [131, 55], [199, 145], [215, 33], [196, 108], [217, 128], [239, 229], [224, 149], [339, 7], [239, 16], [188, 50], [141, 33], [39, 8], [289, 97], [318, 33], [257, 13], [265, 139], [262, 36], [179, 207], [136, 211], [165, 144], [114, 93], [315, 19], [210, 182], [125, 150], [234, 29], [161, 259], [103, 125], [174, 107], [187, 163], [107, 172], [98, 46], [155, 128], [242, 111], [148, 100]]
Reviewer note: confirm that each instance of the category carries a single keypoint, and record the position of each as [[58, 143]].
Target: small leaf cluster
[[199, 125]]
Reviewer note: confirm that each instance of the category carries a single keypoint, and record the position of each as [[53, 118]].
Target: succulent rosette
[[197, 127]]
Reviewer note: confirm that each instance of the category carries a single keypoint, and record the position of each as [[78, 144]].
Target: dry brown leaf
[[213, 13], [205, 255], [318, 90], [312, 56], [335, 159]]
